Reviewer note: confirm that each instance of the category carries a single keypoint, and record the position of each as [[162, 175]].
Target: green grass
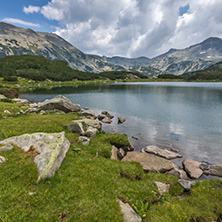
[[87, 184]]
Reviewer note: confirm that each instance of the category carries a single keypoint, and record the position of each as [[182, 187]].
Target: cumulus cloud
[[18, 21], [134, 28], [31, 9]]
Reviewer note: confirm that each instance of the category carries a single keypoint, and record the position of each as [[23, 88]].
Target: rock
[[7, 112], [2, 159], [121, 120], [162, 187], [181, 174], [42, 112], [6, 147], [85, 141], [91, 132], [106, 120], [149, 161], [174, 149], [106, 113], [192, 168], [101, 117], [90, 122], [186, 184], [51, 146], [2, 97], [76, 127], [88, 114], [214, 170], [204, 166], [134, 137], [86, 108], [129, 214], [121, 153], [160, 152], [114, 152], [58, 103], [24, 101]]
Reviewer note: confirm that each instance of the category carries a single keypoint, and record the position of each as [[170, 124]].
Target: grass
[[86, 186]]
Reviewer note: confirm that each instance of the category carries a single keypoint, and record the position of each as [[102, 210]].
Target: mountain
[[20, 41]]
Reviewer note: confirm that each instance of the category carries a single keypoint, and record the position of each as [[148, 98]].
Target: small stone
[[101, 117], [121, 120], [106, 120], [2, 159], [114, 152], [7, 112], [192, 168], [162, 187], [106, 113], [181, 174], [204, 166], [42, 112], [186, 184], [85, 141]]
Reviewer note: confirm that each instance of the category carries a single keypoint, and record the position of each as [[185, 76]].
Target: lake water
[[186, 116]]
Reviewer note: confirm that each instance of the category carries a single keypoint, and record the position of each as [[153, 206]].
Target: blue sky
[[129, 28]]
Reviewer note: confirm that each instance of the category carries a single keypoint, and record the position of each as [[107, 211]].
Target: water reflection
[[186, 116]]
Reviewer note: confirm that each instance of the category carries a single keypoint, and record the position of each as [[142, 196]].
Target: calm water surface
[[186, 116]]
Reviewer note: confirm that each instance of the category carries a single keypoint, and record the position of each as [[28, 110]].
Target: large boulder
[[160, 152], [214, 170], [149, 162], [57, 103], [50, 147], [192, 168]]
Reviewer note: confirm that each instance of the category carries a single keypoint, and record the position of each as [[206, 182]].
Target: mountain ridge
[[18, 41]]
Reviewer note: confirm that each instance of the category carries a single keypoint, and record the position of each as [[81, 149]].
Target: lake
[[186, 116]]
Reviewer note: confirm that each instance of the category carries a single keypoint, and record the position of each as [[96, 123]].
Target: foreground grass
[[86, 186]]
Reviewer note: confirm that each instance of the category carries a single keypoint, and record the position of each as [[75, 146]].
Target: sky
[[128, 28]]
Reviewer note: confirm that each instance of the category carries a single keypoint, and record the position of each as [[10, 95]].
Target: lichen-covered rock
[[149, 162], [101, 116], [91, 132], [192, 168], [76, 127], [89, 122], [58, 103], [160, 152], [88, 114], [85, 141], [6, 147], [51, 146], [162, 187]]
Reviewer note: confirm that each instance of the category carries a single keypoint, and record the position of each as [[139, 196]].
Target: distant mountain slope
[[19, 41]]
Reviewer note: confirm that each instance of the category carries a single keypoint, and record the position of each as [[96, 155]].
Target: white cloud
[[18, 21], [31, 9], [134, 27]]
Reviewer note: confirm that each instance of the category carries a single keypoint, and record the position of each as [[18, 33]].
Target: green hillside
[[39, 68]]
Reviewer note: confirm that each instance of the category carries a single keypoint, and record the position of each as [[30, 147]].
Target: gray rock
[[129, 214], [204, 166], [59, 103], [121, 153], [162, 187], [76, 127], [214, 170], [89, 122], [24, 101], [51, 147], [85, 141], [186, 184], [6, 147], [88, 114], [106, 113], [91, 132], [2, 159], [160, 152], [149, 161], [42, 112], [2, 97], [192, 168], [181, 174], [121, 120], [106, 120], [101, 117], [114, 152]]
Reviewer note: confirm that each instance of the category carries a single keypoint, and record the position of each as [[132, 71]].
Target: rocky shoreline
[[152, 158]]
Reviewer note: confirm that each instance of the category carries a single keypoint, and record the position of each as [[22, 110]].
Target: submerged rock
[[149, 162], [160, 152], [52, 148]]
